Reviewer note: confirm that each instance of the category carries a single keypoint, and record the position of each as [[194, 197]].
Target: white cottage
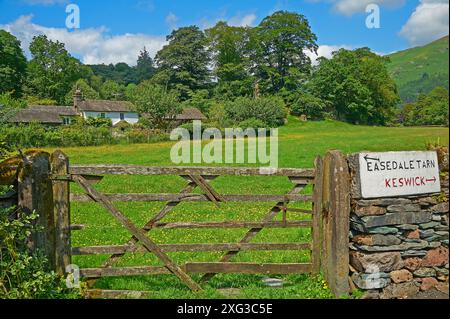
[[117, 111]]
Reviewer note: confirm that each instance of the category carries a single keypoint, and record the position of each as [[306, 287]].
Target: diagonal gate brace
[[137, 232]]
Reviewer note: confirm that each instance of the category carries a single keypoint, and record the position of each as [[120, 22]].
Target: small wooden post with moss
[[35, 194]]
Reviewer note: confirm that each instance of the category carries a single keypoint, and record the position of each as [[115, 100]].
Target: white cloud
[[428, 22], [93, 45], [350, 7], [171, 21], [325, 51], [242, 21], [238, 20]]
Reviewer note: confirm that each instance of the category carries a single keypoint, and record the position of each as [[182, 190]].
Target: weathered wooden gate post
[[35, 195], [335, 222], [61, 200]]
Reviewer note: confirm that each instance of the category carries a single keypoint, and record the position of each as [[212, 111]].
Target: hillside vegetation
[[419, 70]]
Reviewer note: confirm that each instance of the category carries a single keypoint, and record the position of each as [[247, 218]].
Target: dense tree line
[[223, 71], [430, 109]]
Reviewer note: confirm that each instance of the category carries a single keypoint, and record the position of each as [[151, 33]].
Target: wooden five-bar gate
[[43, 184]]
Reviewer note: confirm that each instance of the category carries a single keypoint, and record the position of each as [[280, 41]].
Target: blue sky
[[113, 31]]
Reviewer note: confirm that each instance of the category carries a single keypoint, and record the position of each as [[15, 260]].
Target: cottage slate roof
[[190, 114], [60, 110], [38, 116], [105, 106], [45, 114]]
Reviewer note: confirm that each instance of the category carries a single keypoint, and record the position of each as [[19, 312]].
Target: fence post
[[61, 204], [336, 222], [317, 235], [35, 194]]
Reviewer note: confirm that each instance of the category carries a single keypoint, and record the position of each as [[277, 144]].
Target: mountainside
[[419, 70]]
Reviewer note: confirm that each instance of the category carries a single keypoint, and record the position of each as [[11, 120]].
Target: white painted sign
[[394, 174]]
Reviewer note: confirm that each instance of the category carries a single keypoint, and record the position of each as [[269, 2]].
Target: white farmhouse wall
[[130, 117]]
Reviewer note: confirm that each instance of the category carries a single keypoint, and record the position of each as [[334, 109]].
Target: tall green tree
[[111, 90], [52, 71], [358, 86], [87, 91], [144, 67], [155, 104], [279, 45], [13, 64], [183, 63], [229, 47], [229, 50]]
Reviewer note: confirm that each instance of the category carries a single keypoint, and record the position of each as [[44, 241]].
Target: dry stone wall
[[399, 246]]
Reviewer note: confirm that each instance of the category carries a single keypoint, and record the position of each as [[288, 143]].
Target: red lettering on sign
[[410, 181], [387, 183]]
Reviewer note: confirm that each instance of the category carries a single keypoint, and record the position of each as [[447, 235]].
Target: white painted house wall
[[129, 117]]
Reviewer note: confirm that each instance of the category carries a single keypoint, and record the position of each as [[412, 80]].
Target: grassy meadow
[[299, 144]]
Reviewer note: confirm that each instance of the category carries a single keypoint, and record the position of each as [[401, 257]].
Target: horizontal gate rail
[[282, 224], [179, 170], [122, 249], [247, 268], [199, 268], [192, 198]]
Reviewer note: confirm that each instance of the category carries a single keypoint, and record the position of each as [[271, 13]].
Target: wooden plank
[[99, 250], [61, 203], [317, 216], [234, 224], [194, 198], [200, 182], [149, 225], [247, 268], [301, 181], [255, 231], [210, 171], [208, 186], [201, 267], [138, 233], [123, 271], [77, 227], [116, 294], [297, 210]]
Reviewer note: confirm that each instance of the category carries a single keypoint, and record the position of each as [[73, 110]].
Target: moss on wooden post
[[61, 203], [35, 194]]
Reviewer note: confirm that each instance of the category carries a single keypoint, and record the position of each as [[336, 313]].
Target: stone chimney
[[77, 99]]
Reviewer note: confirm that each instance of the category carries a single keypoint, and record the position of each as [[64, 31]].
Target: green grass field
[[299, 144]]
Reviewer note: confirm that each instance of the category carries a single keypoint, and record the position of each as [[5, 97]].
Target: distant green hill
[[419, 70]]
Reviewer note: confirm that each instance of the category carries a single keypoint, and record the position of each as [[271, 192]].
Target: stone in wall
[[401, 242]]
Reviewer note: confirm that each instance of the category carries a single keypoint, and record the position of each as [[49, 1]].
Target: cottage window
[[66, 120], [102, 115], [122, 116]]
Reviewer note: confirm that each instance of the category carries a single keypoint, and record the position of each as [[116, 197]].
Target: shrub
[[99, 122], [24, 275], [269, 110], [217, 116], [309, 105], [252, 123]]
